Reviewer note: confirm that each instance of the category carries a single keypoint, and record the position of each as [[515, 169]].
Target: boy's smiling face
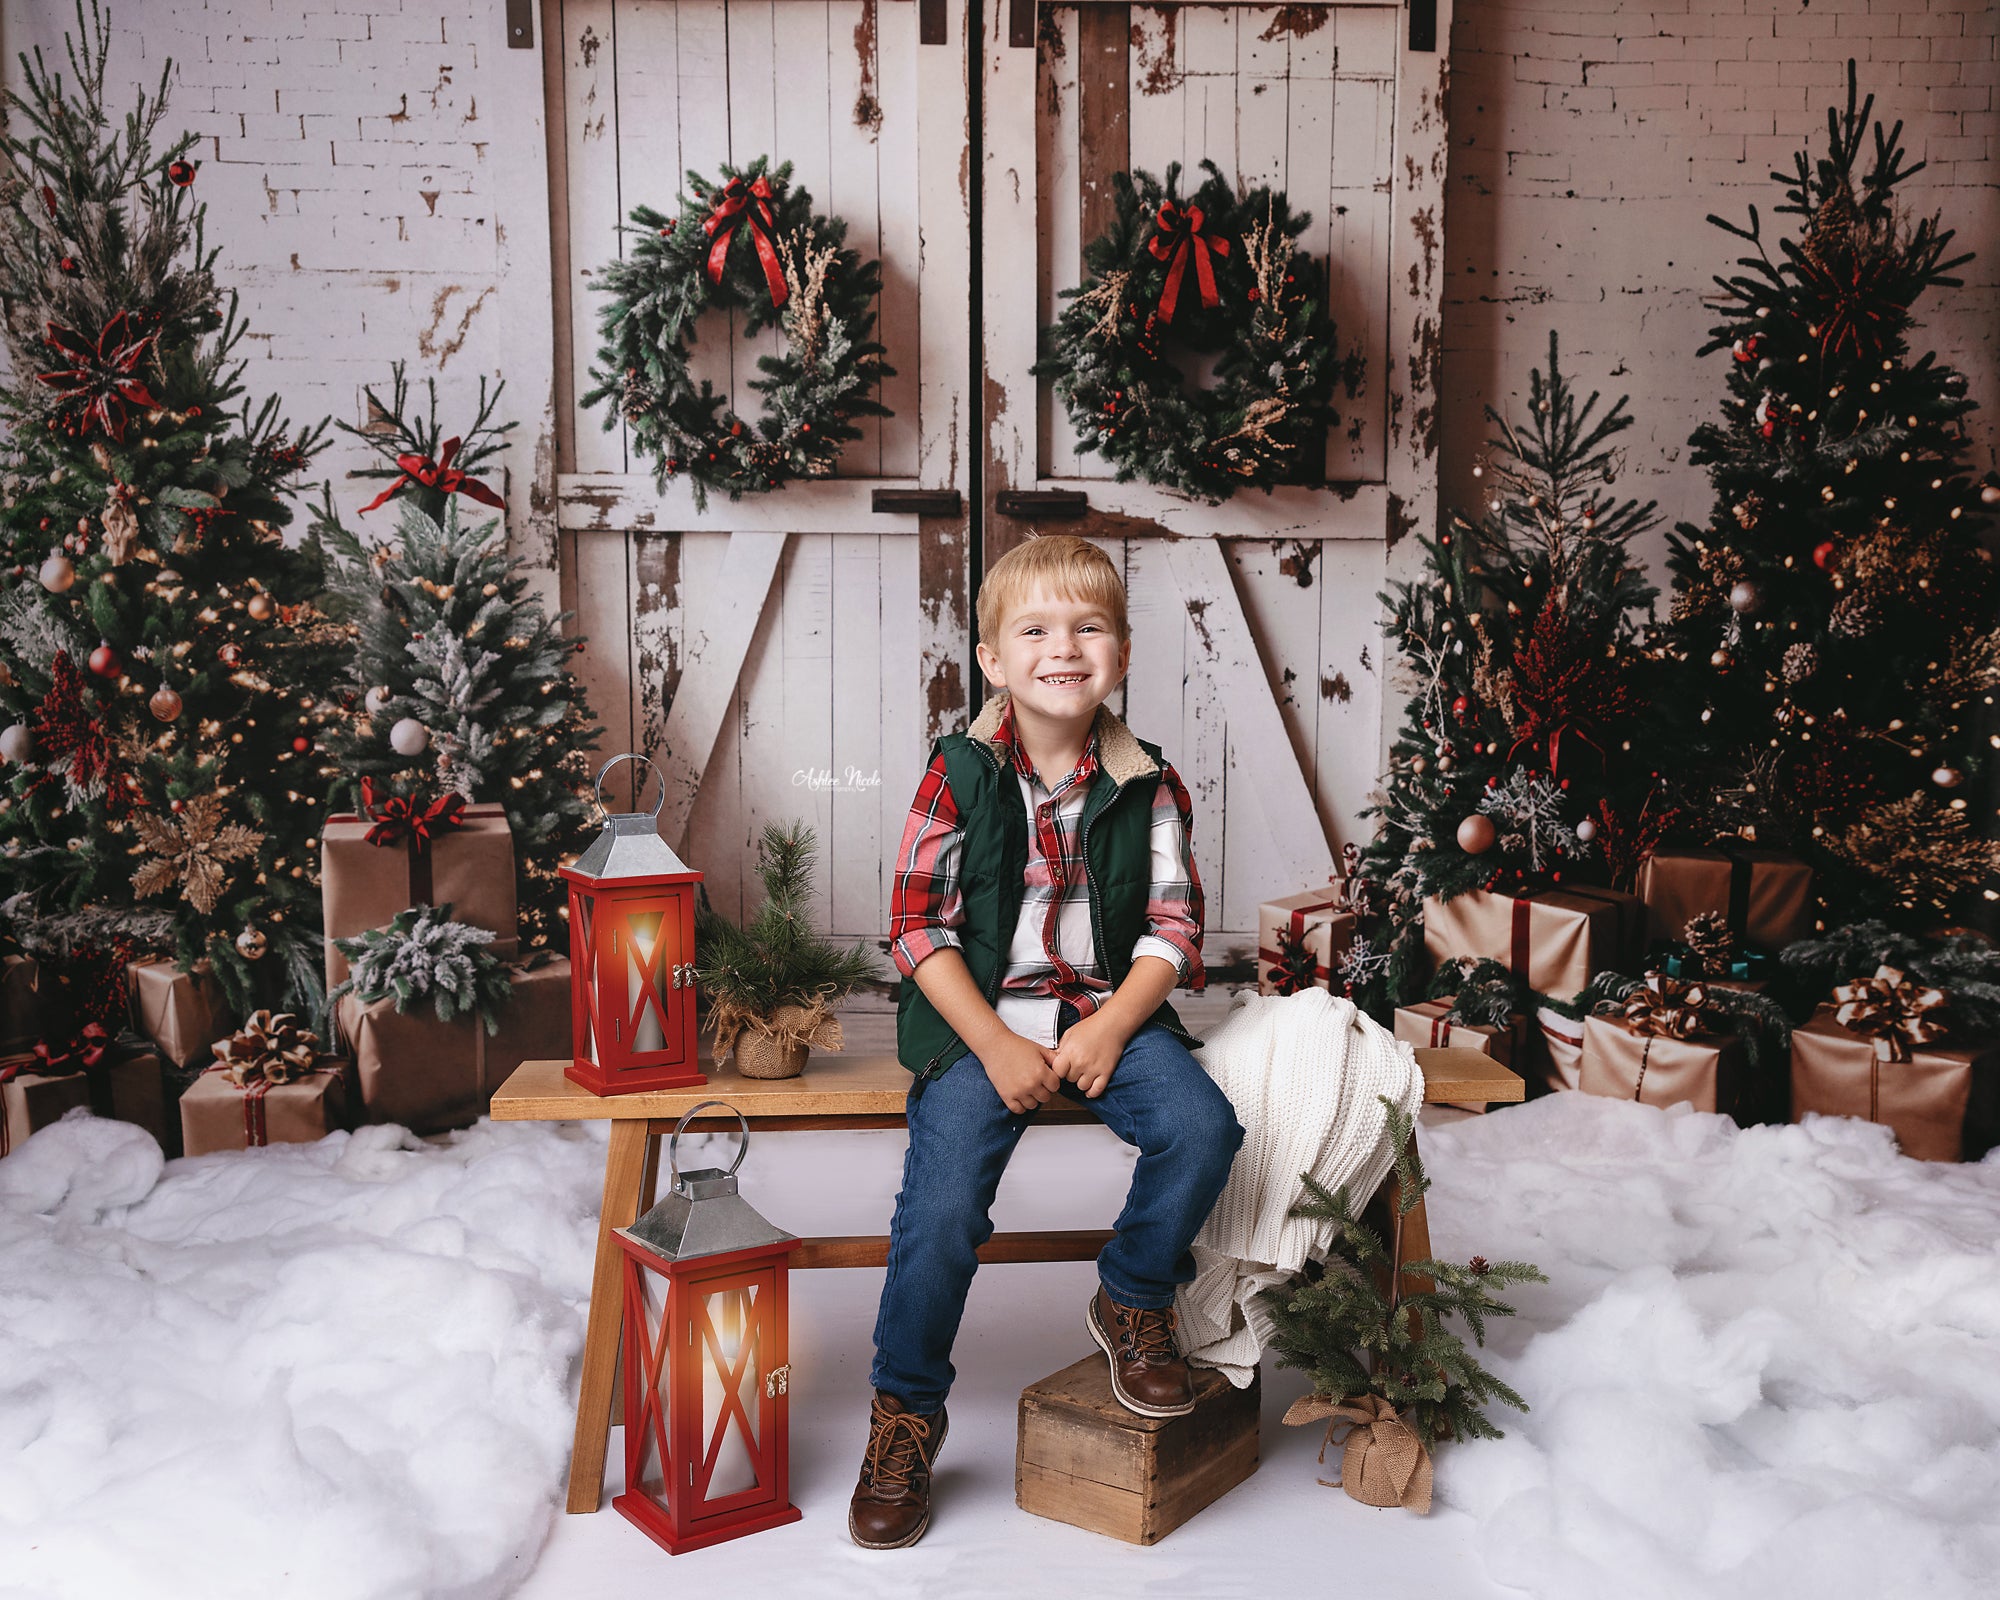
[[1059, 658]]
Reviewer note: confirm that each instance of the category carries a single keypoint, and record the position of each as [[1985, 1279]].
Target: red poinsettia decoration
[[1564, 684], [68, 729], [101, 383]]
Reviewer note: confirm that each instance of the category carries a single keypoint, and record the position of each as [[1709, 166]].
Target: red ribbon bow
[[438, 474], [82, 1052], [1180, 236], [737, 201], [397, 817]]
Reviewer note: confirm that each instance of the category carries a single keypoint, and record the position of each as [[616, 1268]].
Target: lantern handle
[[673, 1144], [658, 804]]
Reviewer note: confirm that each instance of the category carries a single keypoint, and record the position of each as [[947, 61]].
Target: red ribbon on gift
[[1180, 237], [84, 1052], [735, 202], [438, 474], [398, 819]]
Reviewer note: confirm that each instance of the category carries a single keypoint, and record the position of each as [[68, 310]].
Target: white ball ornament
[[1586, 830], [1989, 495], [57, 573], [17, 743], [409, 737], [375, 699]]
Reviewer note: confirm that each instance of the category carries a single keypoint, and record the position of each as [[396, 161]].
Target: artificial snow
[[1767, 1363]]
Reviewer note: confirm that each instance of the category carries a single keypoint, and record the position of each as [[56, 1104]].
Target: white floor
[[1767, 1365]]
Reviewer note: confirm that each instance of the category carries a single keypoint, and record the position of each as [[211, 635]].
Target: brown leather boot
[[1147, 1374], [892, 1501]]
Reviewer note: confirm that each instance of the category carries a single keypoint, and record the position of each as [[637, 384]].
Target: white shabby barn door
[[789, 655], [1257, 655]]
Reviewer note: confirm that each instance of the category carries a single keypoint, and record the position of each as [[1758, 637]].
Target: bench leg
[[624, 1174]]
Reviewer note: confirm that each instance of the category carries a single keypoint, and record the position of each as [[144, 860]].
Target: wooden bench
[[835, 1092]]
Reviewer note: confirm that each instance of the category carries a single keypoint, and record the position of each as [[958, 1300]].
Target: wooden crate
[[1084, 1459]]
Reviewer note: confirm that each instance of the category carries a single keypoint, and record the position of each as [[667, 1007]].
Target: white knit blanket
[[1305, 1073]]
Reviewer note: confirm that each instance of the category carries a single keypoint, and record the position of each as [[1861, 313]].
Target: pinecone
[[1710, 941], [637, 397], [1801, 662], [1747, 510], [1853, 617]]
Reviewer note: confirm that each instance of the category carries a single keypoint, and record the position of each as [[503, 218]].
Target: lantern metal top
[[630, 845], [702, 1214]]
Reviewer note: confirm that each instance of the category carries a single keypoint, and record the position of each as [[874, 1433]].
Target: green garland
[[781, 262], [1225, 276]]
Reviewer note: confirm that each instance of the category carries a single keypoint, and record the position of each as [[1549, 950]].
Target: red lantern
[[707, 1435], [631, 933]]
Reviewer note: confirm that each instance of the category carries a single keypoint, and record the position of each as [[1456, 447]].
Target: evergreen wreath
[[1225, 274], [753, 243]]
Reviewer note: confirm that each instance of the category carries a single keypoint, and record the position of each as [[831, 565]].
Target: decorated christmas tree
[[162, 784], [1833, 623], [1521, 762], [459, 684]]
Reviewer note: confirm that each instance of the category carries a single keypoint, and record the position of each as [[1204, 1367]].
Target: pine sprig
[[776, 959], [423, 955], [1345, 1323]]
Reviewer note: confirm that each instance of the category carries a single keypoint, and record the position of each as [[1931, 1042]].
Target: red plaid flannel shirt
[[1052, 953]]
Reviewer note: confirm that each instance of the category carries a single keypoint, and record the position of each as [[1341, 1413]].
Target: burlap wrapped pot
[[775, 1046]]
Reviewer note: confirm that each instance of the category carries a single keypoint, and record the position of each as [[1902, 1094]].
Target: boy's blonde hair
[[1065, 565]]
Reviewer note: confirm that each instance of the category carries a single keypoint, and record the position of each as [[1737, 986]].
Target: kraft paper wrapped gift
[[1765, 894], [182, 1013], [218, 1115], [1559, 1048], [1319, 916], [20, 1016], [1942, 1103], [470, 867], [430, 1075], [127, 1084], [1558, 939], [1708, 1071], [1427, 1026]]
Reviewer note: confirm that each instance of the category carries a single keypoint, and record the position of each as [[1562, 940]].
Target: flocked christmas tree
[[158, 642], [1834, 622], [460, 681], [1521, 762]]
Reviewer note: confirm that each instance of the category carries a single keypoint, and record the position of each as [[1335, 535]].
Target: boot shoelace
[[895, 1447], [1147, 1333]]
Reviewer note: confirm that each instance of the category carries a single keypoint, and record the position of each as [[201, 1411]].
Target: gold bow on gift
[[1383, 1462], [1898, 1015], [271, 1048], [1676, 1010]]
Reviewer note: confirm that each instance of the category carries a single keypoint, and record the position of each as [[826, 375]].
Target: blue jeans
[[961, 1138]]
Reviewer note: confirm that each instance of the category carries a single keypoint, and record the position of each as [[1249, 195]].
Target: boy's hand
[[1089, 1053], [1020, 1072]]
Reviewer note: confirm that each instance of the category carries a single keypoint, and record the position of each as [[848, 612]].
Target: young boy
[[1045, 905]]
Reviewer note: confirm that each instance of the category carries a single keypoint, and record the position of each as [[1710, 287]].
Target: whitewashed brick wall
[[376, 182], [1589, 141], [374, 174]]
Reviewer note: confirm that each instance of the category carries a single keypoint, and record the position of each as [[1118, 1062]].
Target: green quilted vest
[[993, 866]]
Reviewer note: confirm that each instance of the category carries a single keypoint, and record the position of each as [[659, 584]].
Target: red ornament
[[69, 266], [1460, 706], [301, 744], [104, 661], [1823, 554], [230, 655], [180, 173]]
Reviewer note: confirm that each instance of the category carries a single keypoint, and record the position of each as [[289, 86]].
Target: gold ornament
[[262, 607], [251, 943], [191, 851]]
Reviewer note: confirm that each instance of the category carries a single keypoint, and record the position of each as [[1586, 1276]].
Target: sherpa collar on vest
[[1118, 751]]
